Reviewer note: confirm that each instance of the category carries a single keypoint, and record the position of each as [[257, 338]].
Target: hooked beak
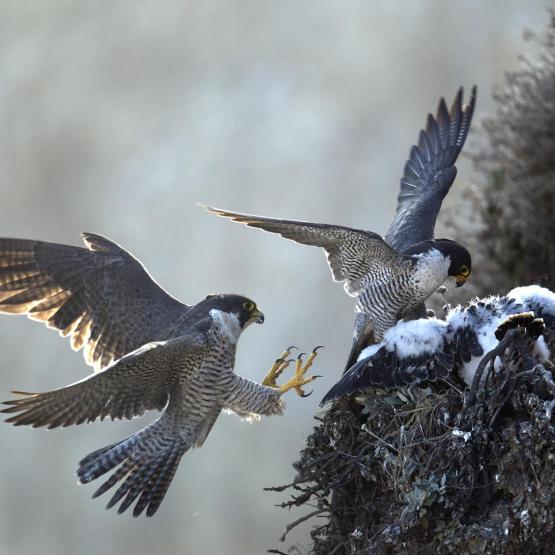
[[258, 317], [460, 280]]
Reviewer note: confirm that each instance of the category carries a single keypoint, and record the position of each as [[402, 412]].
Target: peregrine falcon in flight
[[392, 277], [431, 349], [149, 351]]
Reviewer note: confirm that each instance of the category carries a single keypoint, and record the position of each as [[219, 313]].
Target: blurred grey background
[[117, 117]]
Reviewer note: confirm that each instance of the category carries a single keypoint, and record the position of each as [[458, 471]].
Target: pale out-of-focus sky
[[118, 117]]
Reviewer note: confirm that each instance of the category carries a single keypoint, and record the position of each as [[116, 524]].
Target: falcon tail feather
[[147, 463]]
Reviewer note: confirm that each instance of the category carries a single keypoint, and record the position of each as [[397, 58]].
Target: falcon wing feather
[[430, 172], [137, 382], [101, 296], [351, 253]]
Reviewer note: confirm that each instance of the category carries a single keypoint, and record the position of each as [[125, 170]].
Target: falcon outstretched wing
[[430, 172], [101, 296], [137, 382], [352, 253]]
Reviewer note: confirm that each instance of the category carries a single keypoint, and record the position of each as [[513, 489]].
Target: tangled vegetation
[[436, 469]]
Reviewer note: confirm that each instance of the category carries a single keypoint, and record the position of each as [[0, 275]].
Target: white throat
[[227, 323], [432, 268]]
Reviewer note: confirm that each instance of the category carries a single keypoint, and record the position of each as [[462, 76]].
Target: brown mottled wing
[[353, 255], [101, 296], [135, 383], [430, 172]]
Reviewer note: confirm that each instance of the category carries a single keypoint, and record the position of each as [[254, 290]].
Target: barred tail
[[148, 459]]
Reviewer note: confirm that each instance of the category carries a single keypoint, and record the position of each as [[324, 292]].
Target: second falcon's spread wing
[[352, 253], [101, 295], [430, 172]]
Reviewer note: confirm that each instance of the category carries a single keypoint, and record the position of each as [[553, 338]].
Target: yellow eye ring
[[464, 270], [249, 307]]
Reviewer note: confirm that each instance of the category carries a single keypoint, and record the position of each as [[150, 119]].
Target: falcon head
[[455, 257], [461, 262], [236, 307]]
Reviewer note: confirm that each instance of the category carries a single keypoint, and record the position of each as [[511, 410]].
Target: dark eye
[[464, 271], [249, 307]]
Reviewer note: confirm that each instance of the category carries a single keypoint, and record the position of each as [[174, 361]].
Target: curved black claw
[[315, 350], [283, 360], [291, 347], [301, 355], [312, 391]]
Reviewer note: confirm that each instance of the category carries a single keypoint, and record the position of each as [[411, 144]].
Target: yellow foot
[[300, 378], [278, 367]]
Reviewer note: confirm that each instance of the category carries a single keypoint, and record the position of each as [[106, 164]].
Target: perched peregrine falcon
[[151, 352], [430, 349], [392, 278]]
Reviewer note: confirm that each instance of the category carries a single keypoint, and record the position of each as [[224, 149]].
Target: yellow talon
[[278, 367], [299, 379]]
